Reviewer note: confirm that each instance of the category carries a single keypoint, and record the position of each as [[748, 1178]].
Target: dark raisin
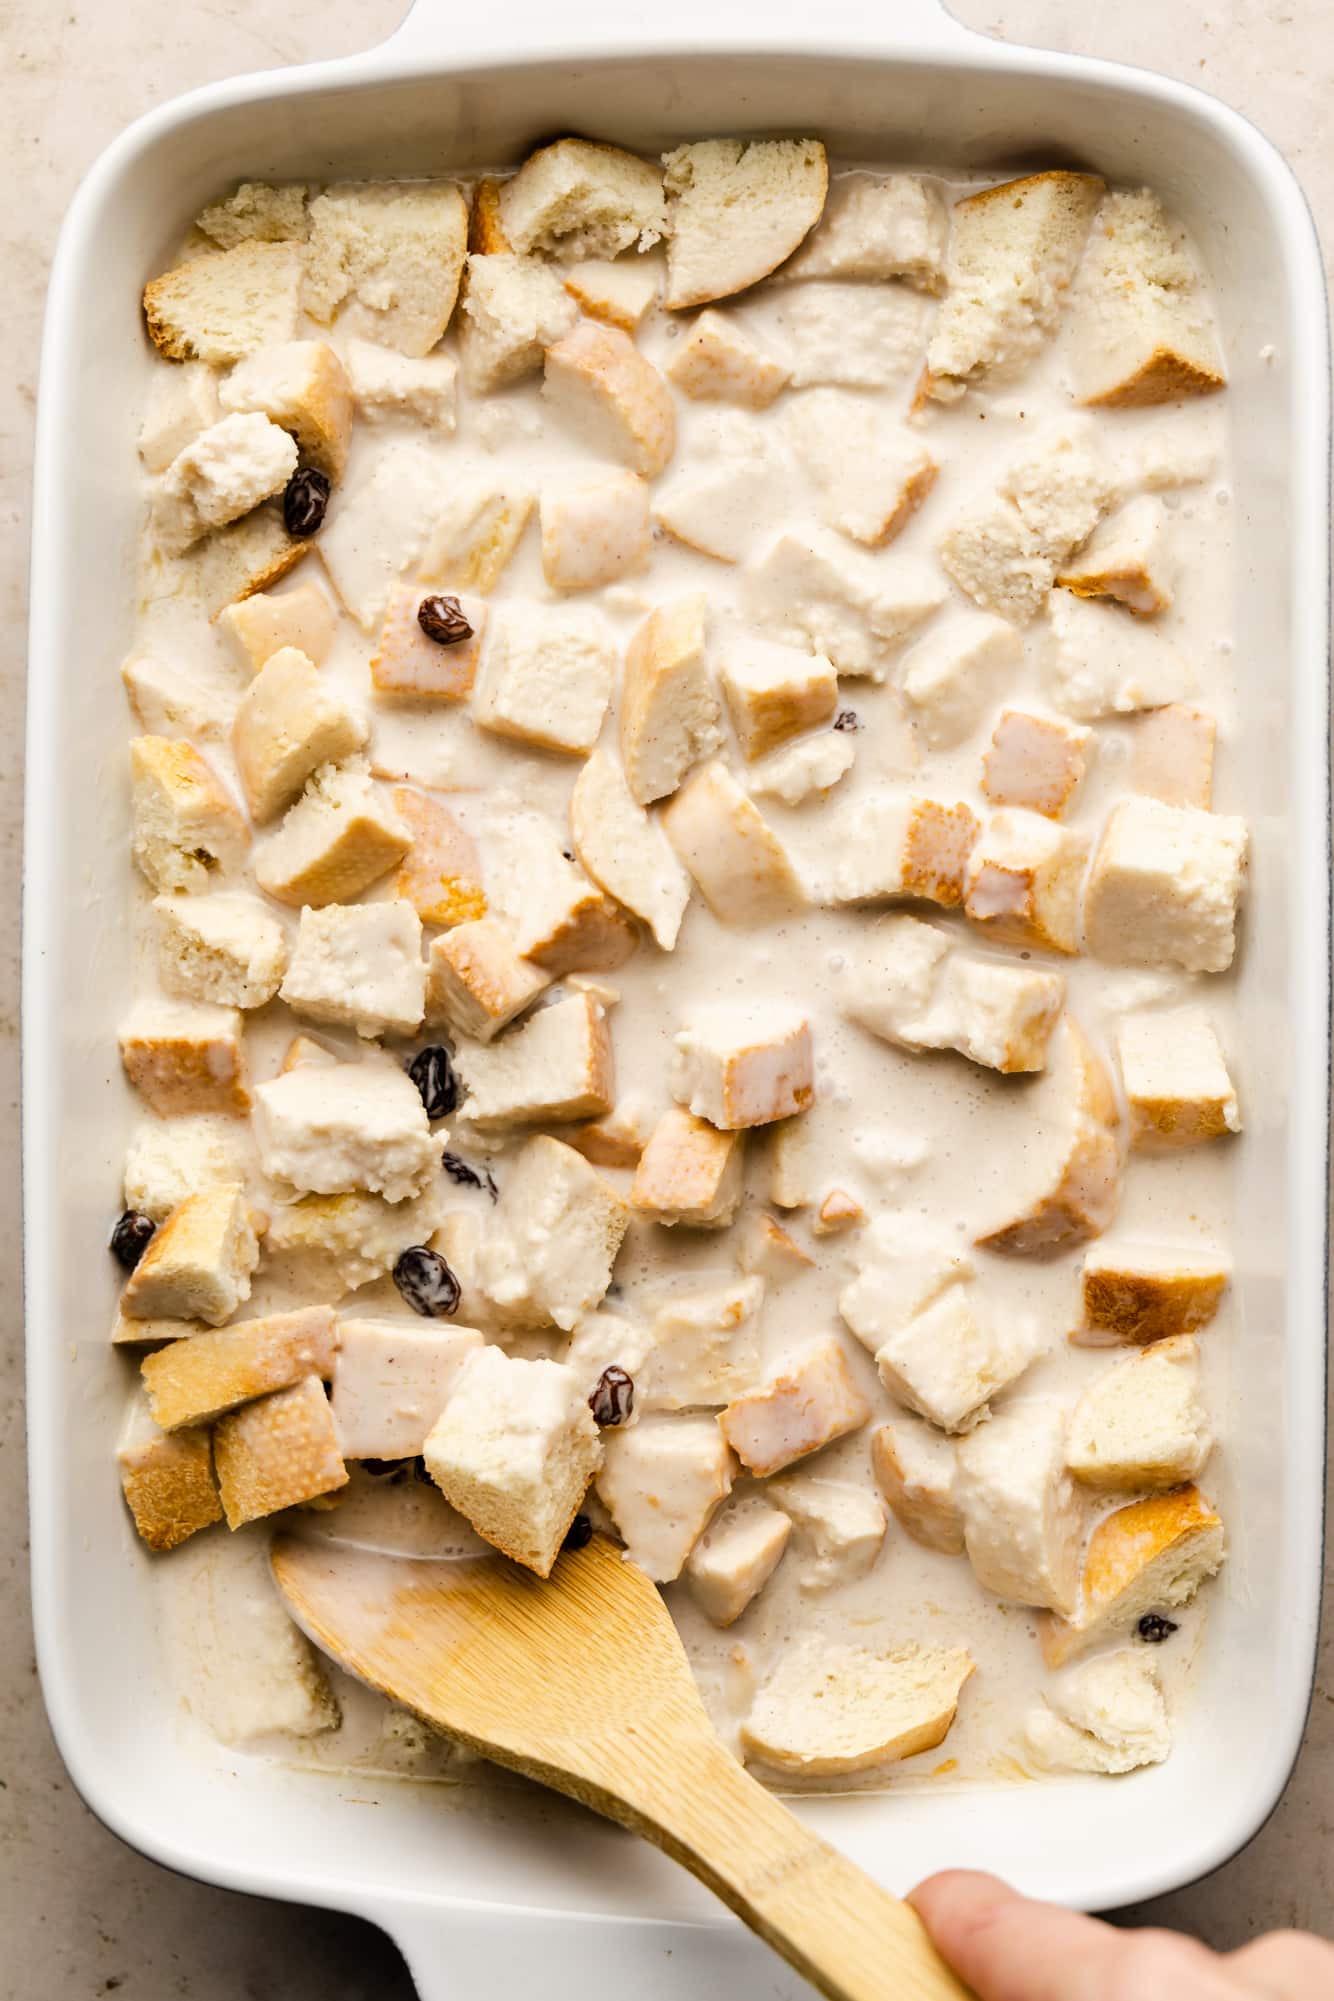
[[131, 1238], [427, 1283], [443, 620], [393, 1471], [578, 1533], [1155, 1629], [847, 719], [433, 1074], [469, 1177], [305, 498], [613, 1397]]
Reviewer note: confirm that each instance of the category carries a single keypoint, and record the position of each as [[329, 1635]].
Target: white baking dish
[[538, 1893]]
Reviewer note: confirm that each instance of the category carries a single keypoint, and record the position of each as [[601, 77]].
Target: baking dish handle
[[441, 29]]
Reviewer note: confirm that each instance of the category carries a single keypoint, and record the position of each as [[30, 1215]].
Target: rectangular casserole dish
[[550, 1891]]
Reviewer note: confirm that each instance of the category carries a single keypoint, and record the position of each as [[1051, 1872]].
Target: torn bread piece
[[624, 851], [194, 1381], [1175, 1077], [914, 1469], [359, 966], [660, 1482], [719, 362], [1034, 762], [257, 212], [1148, 1557], [277, 1452], [546, 678], [169, 704], [555, 1235], [852, 336], [288, 724], [744, 872], [1106, 1716], [840, 1527], [1144, 332], [167, 1480], [394, 253], [1022, 881], [476, 983], [1165, 887], [775, 692], [809, 769], [1022, 1519], [255, 1674], [1075, 1186], [342, 835], [182, 402], [513, 309], [441, 874], [1136, 1292], [1004, 552], [619, 293], [225, 304], [231, 564], [168, 1159], [766, 1250], [555, 1067], [392, 1379], [892, 845], [949, 1360], [902, 1264], [846, 604], [186, 827], [410, 664], [689, 1172], [514, 1450], [745, 1063], [385, 515], [909, 987], [302, 386], [668, 708], [595, 534], [1143, 1423], [356, 1126], [222, 474], [735, 1558], [183, 1056], [703, 1348], [1101, 663], [598, 383], [386, 385], [736, 208], [876, 227], [477, 530], [557, 917], [257, 627], [804, 1404], [225, 949], [872, 473], [949, 679], [199, 1263], [578, 198], [827, 1711], [1172, 755], [340, 1242], [1129, 558]]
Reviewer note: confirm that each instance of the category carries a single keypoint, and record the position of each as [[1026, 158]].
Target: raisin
[[305, 499], [1155, 1629], [426, 1283], [393, 1471], [433, 1074], [469, 1177], [131, 1237], [443, 620], [847, 719], [613, 1397], [578, 1533]]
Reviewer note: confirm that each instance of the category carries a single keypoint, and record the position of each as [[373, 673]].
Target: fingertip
[[956, 1893]]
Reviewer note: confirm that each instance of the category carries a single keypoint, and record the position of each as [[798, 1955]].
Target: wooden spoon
[[582, 1683]]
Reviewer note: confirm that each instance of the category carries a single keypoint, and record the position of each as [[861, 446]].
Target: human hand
[[1009, 1948]]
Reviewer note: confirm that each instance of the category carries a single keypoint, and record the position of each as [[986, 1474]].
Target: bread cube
[[557, 917], [839, 1211], [359, 1125], [775, 692], [890, 988], [252, 554], [546, 678], [598, 384], [803, 1405], [182, 402], [514, 308], [735, 1558], [914, 1469], [166, 703], [949, 679], [595, 534], [1144, 331], [277, 1452], [1013, 251], [1022, 880], [828, 1710], [340, 1242], [302, 386], [441, 876], [181, 1057], [668, 708], [477, 530], [391, 1381], [340, 837], [1072, 1190], [876, 227], [718, 362], [704, 1348], [186, 827], [1148, 1557], [1176, 1080], [476, 983], [1101, 663], [840, 1527], [359, 966], [555, 1067], [852, 336], [257, 212], [577, 198], [813, 766], [735, 209], [303, 1050], [950, 1359], [742, 868], [171, 1158], [557, 1229], [624, 851], [194, 1381], [1004, 552], [408, 665], [392, 250], [743, 1063], [257, 627], [151, 1333], [604, 1340], [766, 1250], [1034, 762], [660, 1482], [199, 1263], [845, 604], [689, 1173], [787, 1154], [1129, 558], [287, 725], [224, 304], [1022, 1520], [906, 986], [379, 527], [616, 1141], [1172, 756], [716, 505], [620, 294], [890, 844], [1165, 885], [1107, 1716], [386, 385], [167, 1481], [871, 473], [514, 1450], [1143, 1423], [223, 949], [222, 474], [1136, 1292], [903, 1264]]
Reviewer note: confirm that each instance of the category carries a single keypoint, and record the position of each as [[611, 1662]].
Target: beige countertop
[[84, 1916]]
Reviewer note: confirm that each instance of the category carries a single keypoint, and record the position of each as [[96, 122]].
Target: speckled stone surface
[[80, 1914]]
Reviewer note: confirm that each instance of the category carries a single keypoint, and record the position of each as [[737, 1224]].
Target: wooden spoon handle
[[848, 1937]]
